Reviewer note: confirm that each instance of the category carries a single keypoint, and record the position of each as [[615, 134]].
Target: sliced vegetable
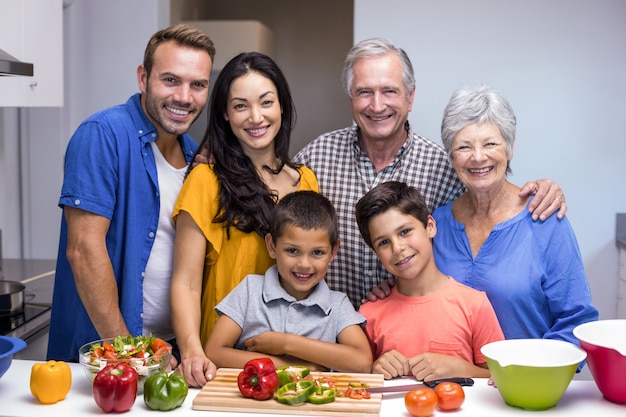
[[165, 392], [258, 379], [356, 393], [325, 382], [321, 395], [115, 388], [51, 381], [295, 393], [287, 374]]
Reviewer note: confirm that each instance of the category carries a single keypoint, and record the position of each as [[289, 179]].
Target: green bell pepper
[[295, 393], [287, 374], [322, 395], [165, 392]]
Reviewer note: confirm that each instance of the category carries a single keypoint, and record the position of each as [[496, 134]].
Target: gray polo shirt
[[259, 304]]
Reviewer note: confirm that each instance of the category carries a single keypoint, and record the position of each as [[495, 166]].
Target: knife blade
[[397, 388], [465, 382]]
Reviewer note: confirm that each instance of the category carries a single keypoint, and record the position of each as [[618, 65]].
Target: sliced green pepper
[[322, 395], [295, 393], [287, 374]]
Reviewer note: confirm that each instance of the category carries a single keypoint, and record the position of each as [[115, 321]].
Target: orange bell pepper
[[51, 381]]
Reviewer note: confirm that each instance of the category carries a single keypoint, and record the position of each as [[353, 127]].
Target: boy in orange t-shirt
[[430, 325]]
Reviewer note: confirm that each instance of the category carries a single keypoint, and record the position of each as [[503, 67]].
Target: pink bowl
[[605, 344]]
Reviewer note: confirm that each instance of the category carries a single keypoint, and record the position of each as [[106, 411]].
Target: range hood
[[9, 65]]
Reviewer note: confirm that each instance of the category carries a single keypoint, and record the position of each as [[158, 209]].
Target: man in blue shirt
[[124, 167]]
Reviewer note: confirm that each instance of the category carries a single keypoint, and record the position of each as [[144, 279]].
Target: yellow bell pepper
[[51, 381]]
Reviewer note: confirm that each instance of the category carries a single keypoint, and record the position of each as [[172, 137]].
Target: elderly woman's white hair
[[477, 106]]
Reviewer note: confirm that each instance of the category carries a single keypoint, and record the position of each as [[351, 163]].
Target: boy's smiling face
[[402, 242], [302, 258]]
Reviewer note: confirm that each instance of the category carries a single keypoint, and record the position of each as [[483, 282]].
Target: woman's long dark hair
[[245, 201]]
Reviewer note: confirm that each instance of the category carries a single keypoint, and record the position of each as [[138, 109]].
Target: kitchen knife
[[465, 382]]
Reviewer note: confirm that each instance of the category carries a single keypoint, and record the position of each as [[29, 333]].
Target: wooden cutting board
[[222, 394]]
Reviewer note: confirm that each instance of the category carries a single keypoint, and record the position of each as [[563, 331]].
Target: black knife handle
[[465, 382]]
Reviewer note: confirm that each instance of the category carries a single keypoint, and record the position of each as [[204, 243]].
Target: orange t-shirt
[[455, 320]]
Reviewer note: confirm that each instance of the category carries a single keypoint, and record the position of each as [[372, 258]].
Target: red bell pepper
[[258, 379], [115, 388]]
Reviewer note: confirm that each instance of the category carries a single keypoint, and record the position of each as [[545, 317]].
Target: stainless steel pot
[[11, 298]]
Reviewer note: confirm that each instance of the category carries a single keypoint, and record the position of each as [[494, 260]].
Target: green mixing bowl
[[532, 374]]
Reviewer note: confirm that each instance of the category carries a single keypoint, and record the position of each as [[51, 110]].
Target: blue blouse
[[532, 272]]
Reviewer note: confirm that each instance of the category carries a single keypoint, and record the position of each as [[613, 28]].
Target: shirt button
[[140, 132], [154, 135], [77, 202], [369, 273], [151, 234]]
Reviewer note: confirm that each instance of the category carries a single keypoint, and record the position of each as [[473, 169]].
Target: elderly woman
[[532, 271]]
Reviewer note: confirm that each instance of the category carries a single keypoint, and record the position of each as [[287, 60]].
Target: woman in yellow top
[[223, 210]]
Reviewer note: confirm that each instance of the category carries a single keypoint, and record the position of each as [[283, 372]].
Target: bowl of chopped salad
[[147, 354]]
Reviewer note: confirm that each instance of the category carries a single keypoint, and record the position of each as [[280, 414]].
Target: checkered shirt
[[345, 174]]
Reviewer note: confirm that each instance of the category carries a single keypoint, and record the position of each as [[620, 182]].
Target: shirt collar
[[146, 130], [272, 290], [408, 143]]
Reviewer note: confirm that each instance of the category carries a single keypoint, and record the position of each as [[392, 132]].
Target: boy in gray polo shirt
[[290, 314]]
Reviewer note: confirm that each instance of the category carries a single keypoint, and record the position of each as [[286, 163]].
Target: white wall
[[562, 64], [105, 41]]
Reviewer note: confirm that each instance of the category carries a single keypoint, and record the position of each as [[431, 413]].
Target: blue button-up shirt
[[109, 171]]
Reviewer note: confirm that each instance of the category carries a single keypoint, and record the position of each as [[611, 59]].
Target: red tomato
[[160, 351], [159, 344], [421, 402], [450, 396], [109, 354]]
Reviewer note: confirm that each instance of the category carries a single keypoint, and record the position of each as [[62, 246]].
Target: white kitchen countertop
[[582, 398]]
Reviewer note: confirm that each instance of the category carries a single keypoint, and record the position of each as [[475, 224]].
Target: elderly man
[[380, 82]]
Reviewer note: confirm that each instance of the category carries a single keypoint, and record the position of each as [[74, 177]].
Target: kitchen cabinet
[[32, 31]]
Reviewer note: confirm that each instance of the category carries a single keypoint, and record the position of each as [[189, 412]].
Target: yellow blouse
[[228, 260]]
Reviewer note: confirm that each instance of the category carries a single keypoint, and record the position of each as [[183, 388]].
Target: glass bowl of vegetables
[[147, 354]]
